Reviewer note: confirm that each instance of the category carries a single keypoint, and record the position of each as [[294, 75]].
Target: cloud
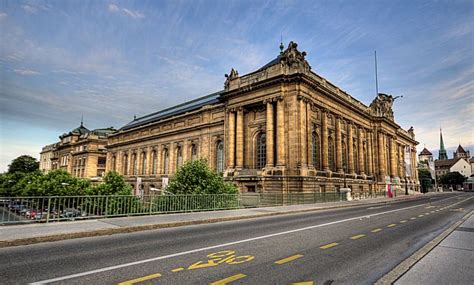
[[124, 11], [26, 72], [3, 15], [34, 7]]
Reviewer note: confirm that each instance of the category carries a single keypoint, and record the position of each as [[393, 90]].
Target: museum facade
[[282, 128]]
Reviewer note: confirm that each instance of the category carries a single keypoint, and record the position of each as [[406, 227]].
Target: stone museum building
[[281, 128]]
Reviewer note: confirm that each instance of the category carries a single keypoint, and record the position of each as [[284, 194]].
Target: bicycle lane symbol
[[221, 257]]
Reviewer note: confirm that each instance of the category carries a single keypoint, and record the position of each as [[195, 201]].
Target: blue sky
[[111, 60]]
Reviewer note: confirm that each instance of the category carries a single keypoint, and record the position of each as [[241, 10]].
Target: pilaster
[[269, 133]]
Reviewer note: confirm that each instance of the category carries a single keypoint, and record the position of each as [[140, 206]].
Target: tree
[[8, 182], [55, 183], [452, 179], [113, 184], [426, 181], [195, 177], [23, 163]]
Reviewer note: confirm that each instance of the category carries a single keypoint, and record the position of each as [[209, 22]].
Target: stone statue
[[294, 58], [233, 74], [382, 106]]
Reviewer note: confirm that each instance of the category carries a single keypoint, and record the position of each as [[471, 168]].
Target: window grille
[[261, 150]]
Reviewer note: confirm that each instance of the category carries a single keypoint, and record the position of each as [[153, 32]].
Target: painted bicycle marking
[[221, 257]]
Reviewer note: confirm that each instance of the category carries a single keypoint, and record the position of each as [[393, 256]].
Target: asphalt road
[[342, 246]]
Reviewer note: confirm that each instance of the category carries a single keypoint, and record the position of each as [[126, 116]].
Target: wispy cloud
[[113, 8], [3, 15], [33, 7], [27, 72]]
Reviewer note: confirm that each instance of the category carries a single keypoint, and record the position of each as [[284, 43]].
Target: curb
[[130, 229], [392, 276]]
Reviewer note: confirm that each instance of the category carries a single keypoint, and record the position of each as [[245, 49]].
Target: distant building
[[471, 162], [46, 155], [443, 155], [461, 153], [81, 152], [452, 165], [424, 158]]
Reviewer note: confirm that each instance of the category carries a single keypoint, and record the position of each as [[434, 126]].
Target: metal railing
[[14, 210]]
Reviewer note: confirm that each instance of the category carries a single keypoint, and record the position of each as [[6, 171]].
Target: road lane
[[336, 262]]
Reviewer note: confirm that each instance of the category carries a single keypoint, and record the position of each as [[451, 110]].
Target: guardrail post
[[151, 204], [49, 209], [106, 206]]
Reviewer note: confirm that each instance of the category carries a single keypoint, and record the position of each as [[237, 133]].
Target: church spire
[[442, 151]]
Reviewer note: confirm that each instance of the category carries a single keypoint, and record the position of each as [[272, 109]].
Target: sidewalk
[[450, 262], [34, 233]]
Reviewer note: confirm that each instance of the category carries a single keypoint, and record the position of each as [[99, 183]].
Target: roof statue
[[382, 105], [233, 74], [294, 58]]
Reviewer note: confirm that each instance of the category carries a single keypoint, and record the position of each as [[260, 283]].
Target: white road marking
[[221, 245]]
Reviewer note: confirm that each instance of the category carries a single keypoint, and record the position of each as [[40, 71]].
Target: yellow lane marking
[[421, 215], [403, 221], [391, 225], [413, 218], [328, 245], [229, 279], [141, 279], [304, 283], [288, 259], [177, 269], [357, 236], [375, 230]]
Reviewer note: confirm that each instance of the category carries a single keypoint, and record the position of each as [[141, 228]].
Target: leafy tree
[[55, 183], [113, 184], [452, 179], [23, 163], [8, 181], [426, 181], [195, 177]]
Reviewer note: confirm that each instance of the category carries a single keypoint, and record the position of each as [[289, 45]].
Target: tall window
[[193, 152], [166, 161], [179, 157], [332, 164], [344, 155], [220, 157], [261, 150], [154, 163], [356, 157], [134, 164], [125, 164], [315, 149], [143, 163]]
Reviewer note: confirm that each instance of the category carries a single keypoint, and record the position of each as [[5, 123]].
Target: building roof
[[446, 162], [471, 160], [175, 110], [460, 149], [272, 62], [425, 152]]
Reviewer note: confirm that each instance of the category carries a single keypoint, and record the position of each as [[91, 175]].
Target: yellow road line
[[391, 225], [413, 218], [141, 279], [229, 279], [328, 245], [177, 269], [403, 221], [421, 215], [358, 236], [304, 283], [288, 259], [375, 230]]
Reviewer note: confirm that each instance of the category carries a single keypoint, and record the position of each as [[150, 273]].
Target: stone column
[[231, 142], [149, 160], [324, 140], [118, 158], [269, 133], [393, 166], [413, 165], [338, 145], [159, 156], [400, 160], [280, 131], [240, 139], [185, 151], [303, 132], [381, 149], [370, 164], [172, 156], [129, 163], [309, 135], [350, 149], [361, 152], [108, 162]]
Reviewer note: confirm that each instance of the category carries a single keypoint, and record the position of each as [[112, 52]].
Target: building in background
[[442, 155], [281, 128], [461, 153], [46, 155], [425, 158], [81, 152]]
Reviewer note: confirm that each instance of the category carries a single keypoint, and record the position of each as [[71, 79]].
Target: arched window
[[134, 164], [179, 157], [166, 161], [356, 157], [143, 166], [261, 150], [315, 150], [114, 163], [344, 155], [125, 164], [220, 157], [331, 154], [154, 162], [193, 152]]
